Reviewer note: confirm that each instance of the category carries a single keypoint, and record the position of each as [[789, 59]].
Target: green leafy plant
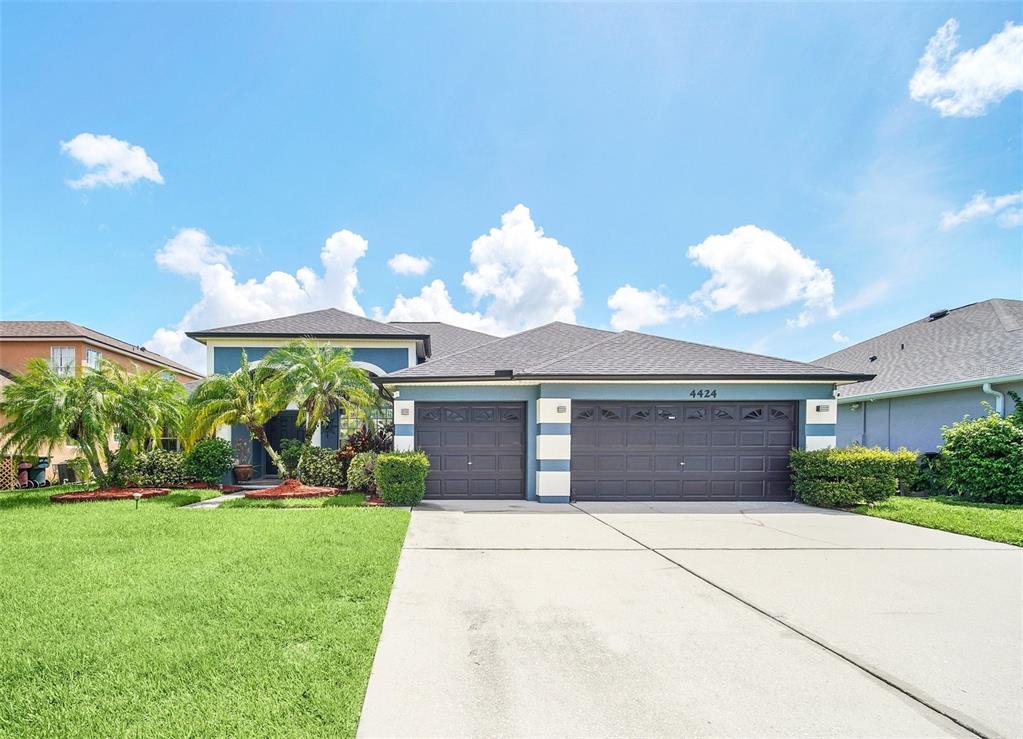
[[365, 439], [209, 460], [322, 468], [158, 468], [361, 472], [80, 466], [291, 457], [982, 458], [839, 478], [401, 477]]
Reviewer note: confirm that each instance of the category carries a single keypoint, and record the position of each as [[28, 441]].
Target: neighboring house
[[565, 412], [69, 347], [931, 373]]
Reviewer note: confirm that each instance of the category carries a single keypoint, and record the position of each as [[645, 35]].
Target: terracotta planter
[[242, 472]]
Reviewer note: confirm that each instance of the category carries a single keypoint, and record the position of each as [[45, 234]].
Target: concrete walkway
[[215, 502], [698, 620]]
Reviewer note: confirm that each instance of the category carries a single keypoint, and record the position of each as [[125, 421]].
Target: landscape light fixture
[[137, 497]]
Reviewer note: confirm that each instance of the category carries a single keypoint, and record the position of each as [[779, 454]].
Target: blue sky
[[630, 133]]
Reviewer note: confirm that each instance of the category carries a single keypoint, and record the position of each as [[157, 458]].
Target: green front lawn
[[344, 500], [164, 621], [984, 520]]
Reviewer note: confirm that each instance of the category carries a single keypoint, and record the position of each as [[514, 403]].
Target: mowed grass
[[990, 521], [170, 622], [344, 500]]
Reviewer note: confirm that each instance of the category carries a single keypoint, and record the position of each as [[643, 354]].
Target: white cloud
[[407, 264], [754, 270], [225, 300], [840, 337], [634, 308], [114, 162], [520, 279], [1002, 208], [964, 83]]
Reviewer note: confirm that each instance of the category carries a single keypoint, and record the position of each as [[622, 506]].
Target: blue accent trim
[[404, 429], [555, 465], [555, 499], [666, 391], [820, 429], [226, 359], [556, 429]]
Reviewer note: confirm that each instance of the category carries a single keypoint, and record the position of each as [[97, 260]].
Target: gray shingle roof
[[329, 322], [69, 330], [516, 352], [560, 350], [444, 338], [978, 341]]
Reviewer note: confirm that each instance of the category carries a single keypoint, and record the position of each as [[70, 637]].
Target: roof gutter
[[926, 389], [399, 380]]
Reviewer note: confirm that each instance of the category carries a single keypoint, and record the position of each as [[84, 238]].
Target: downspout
[[999, 398]]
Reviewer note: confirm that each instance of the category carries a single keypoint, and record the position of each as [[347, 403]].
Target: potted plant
[[242, 462]]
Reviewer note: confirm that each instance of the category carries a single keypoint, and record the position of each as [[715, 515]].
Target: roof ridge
[[328, 309], [449, 325], [614, 335]]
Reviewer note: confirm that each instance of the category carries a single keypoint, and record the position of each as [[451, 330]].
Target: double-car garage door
[[620, 450]]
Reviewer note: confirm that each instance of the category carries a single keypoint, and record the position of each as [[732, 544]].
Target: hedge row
[[839, 478]]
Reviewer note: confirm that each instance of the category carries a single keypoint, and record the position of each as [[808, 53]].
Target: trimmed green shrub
[[840, 478], [321, 468], [365, 439], [360, 473], [158, 468], [291, 455], [209, 460], [401, 477], [982, 459]]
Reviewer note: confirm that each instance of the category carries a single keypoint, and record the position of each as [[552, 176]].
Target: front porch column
[[404, 425], [553, 450], [821, 420]]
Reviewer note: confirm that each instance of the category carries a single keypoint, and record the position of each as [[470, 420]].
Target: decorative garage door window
[[682, 451], [475, 451]]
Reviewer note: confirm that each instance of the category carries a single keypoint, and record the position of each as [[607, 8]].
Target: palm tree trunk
[[259, 433]]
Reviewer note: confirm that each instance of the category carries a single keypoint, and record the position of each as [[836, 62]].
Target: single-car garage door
[[476, 450], [681, 451]]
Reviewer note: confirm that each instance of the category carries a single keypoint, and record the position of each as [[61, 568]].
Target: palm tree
[[250, 396], [144, 404], [92, 408], [321, 379]]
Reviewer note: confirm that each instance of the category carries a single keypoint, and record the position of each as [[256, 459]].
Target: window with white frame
[[92, 358], [62, 359]]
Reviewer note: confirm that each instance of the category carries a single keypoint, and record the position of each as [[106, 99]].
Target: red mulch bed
[[292, 489], [107, 494]]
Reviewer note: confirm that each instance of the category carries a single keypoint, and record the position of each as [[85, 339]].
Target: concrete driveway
[[698, 620]]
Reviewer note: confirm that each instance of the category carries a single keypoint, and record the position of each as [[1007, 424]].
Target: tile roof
[[560, 350], [326, 322], [69, 330], [973, 342], [445, 338]]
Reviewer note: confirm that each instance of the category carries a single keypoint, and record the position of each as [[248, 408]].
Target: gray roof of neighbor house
[[74, 331], [974, 342], [445, 338], [565, 351]]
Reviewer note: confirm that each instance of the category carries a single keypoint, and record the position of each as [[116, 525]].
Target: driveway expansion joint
[[849, 660]]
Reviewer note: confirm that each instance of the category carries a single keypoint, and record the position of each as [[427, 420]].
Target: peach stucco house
[[69, 347]]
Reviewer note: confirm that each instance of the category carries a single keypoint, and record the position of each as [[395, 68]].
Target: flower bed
[[107, 494], [292, 489], [207, 486]]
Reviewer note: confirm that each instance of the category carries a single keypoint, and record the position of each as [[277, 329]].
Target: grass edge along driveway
[[206, 623], [991, 521]]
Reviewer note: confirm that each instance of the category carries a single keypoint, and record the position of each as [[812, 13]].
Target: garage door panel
[[490, 435], [631, 451]]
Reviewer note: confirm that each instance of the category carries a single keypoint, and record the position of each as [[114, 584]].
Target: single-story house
[[564, 412], [931, 373]]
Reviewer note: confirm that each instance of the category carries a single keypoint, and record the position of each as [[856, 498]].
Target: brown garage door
[[681, 451], [476, 450]]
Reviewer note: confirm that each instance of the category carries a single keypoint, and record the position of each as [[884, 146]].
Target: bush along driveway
[[120, 621], [990, 521]]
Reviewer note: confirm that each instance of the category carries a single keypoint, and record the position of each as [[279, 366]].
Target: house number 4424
[[703, 393]]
